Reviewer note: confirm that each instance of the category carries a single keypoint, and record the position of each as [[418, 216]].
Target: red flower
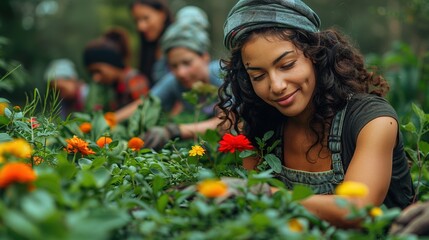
[[231, 143], [34, 123]]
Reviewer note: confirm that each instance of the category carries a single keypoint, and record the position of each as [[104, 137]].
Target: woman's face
[[280, 74], [103, 73], [149, 21], [67, 87], [188, 66]]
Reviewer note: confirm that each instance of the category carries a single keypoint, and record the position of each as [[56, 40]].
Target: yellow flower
[[295, 225], [352, 189], [375, 211], [3, 106], [17, 147], [212, 188], [196, 151]]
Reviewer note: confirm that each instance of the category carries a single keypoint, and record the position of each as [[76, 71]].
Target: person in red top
[[107, 60]]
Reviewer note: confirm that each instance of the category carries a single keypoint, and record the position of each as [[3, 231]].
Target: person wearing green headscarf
[[326, 110], [186, 47]]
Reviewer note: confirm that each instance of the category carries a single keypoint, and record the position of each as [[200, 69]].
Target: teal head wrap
[[189, 31], [249, 15]]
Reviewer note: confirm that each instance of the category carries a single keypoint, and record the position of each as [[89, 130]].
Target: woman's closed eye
[[256, 77], [288, 65]]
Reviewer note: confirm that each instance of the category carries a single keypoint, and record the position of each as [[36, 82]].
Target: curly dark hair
[[340, 73]]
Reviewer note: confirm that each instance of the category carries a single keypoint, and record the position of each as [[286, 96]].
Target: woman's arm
[[190, 130], [128, 110], [371, 165]]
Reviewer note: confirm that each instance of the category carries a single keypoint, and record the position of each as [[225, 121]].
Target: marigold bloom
[[212, 188], [110, 119], [375, 211], [76, 144], [295, 225], [16, 172], [103, 141], [196, 151], [85, 127], [352, 189], [135, 143], [37, 160], [231, 143], [3, 106]]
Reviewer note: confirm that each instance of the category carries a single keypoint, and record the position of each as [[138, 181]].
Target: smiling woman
[[151, 17], [311, 88]]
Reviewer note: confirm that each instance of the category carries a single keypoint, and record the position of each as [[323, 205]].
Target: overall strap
[[334, 144]]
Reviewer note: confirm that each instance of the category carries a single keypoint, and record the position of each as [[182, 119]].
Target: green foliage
[[418, 152], [118, 193]]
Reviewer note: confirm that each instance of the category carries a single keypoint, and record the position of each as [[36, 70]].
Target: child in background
[[107, 61], [61, 74]]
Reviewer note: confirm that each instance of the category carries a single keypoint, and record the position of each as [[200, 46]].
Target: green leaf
[[158, 183], [39, 205], [161, 202], [274, 162], [21, 225], [4, 137], [247, 153], [267, 136], [101, 176], [409, 127], [419, 112], [98, 162], [99, 126], [424, 147], [85, 163], [300, 192]]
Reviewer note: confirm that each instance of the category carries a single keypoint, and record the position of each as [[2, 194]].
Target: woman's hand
[[413, 220]]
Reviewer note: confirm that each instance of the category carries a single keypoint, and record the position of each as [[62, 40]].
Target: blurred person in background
[[152, 17], [185, 45], [107, 61], [62, 75]]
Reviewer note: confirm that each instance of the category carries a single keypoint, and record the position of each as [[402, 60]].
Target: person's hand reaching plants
[[157, 137], [413, 220]]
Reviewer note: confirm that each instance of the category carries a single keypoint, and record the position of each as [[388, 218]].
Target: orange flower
[[76, 144], [85, 127], [16, 172], [212, 188], [37, 160], [103, 141], [231, 143], [135, 143], [110, 119]]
